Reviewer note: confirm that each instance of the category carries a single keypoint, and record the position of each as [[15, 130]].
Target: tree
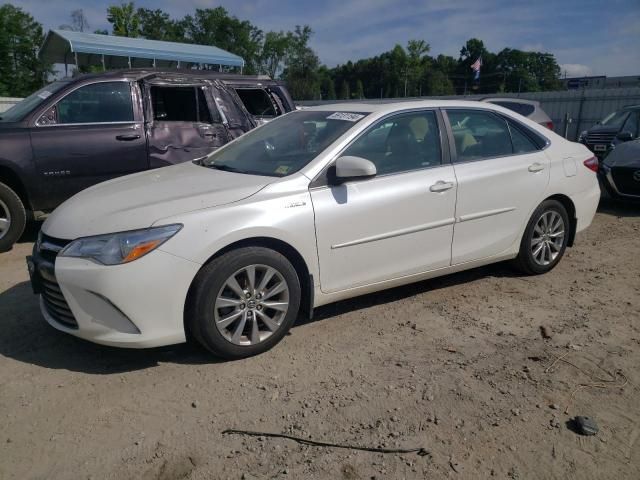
[[359, 89], [21, 71], [79, 22], [274, 51], [214, 26], [345, 92], [125, 20], [302, 65], [157, 25]]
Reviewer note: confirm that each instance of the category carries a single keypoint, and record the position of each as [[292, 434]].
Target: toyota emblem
[[636, 175]]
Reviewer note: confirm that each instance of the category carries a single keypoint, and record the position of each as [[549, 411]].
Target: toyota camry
[[319, 205]]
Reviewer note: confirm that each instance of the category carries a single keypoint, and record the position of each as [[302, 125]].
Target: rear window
[[258, 102], [524, 109]]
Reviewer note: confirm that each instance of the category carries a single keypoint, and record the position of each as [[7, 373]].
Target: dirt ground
[[456, 365]]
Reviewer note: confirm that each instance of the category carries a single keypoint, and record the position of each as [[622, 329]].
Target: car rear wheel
[[13, 217], [545, 238], [244, 302]]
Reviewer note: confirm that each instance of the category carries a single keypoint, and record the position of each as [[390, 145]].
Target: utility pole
[[406, 77]]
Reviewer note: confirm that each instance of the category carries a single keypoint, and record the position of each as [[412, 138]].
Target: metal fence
[[7, 102], [571, 111]]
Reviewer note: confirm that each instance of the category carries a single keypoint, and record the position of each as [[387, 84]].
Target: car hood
[[138, 200], [625, 154], [603, 129]]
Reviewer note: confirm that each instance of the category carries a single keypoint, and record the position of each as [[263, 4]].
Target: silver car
[[527, 108]]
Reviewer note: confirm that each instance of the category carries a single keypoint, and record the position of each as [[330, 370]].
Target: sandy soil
[[456, 365]]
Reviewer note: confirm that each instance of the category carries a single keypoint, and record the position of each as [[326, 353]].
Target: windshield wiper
[[225, 168]]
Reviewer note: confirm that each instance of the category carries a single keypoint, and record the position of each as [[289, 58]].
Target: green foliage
[[302, 64], [125, 20], [21, 71], [158, 25], [345, 92], [359, 89]]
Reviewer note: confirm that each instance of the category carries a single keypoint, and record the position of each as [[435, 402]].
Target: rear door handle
[[441, 186], [536, 167], [127, 138]]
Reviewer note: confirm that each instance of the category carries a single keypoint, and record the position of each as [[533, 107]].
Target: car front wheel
[[545, 238], [244, 302]]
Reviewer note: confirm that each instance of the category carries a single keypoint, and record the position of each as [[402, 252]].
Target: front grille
[[54, 301], [624, 179], [600, 137]]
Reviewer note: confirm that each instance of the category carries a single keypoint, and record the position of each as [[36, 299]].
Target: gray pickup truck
[[77, 132]]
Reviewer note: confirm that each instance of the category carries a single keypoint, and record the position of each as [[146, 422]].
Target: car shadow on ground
[[619, 208], [26, 337]]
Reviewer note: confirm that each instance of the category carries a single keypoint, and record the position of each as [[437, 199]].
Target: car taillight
[[591, 164], [549, 125]]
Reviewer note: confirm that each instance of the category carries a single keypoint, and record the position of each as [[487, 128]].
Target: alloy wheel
[[5, 219], [251, 305], [548, 237]]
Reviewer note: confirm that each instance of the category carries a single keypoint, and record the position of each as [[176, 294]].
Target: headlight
[[123, 247]]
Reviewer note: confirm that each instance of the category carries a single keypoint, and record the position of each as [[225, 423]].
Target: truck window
[[179, 104], [103, 102], [257, 102]]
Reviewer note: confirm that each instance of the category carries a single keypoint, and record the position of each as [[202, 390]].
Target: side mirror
[[349, 167], [625, 136]]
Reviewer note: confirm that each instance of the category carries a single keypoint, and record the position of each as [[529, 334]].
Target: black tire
[[525, 262], [200, 317], [10, 201]]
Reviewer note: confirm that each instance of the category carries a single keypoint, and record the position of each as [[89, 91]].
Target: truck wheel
[[243, 302], [13, 217]]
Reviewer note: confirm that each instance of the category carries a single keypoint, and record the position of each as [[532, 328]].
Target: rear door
[[92, 134], [182, 123], [502, 176]]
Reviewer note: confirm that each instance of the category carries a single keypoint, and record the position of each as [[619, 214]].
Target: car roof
[[392, 106], [143, 73]]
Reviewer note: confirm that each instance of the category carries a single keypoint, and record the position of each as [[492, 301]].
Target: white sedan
[[319, 205]]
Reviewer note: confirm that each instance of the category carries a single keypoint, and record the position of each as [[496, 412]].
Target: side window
[[521, 142], [179, 104], [401, 143], [103, 102], [257, 102], [479, 135]]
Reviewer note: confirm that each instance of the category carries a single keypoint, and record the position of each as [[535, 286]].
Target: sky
[[587, 37]]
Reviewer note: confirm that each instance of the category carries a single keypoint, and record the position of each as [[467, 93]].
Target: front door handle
[[127, 138], [536, 167], [441, 186]]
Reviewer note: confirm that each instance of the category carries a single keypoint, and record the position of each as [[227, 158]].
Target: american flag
[[475, 66]]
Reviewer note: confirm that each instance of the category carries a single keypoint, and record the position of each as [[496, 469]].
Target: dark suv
[[77, 132], [617, 127]]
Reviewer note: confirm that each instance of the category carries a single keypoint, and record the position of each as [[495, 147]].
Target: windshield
[[615, 119], [284, 145], [21, 109]]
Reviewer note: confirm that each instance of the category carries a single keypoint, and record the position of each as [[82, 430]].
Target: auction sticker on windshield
[[349, 117], [44, 94]]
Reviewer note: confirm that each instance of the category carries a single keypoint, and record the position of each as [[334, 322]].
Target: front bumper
[[606, 177], [136, 305]]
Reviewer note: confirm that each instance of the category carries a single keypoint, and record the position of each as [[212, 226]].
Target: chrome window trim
[[506, 119], [105, 80]]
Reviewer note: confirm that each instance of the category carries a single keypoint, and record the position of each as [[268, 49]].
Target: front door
[[398, 223], [90, 135], [502, 177], [182, 124]]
